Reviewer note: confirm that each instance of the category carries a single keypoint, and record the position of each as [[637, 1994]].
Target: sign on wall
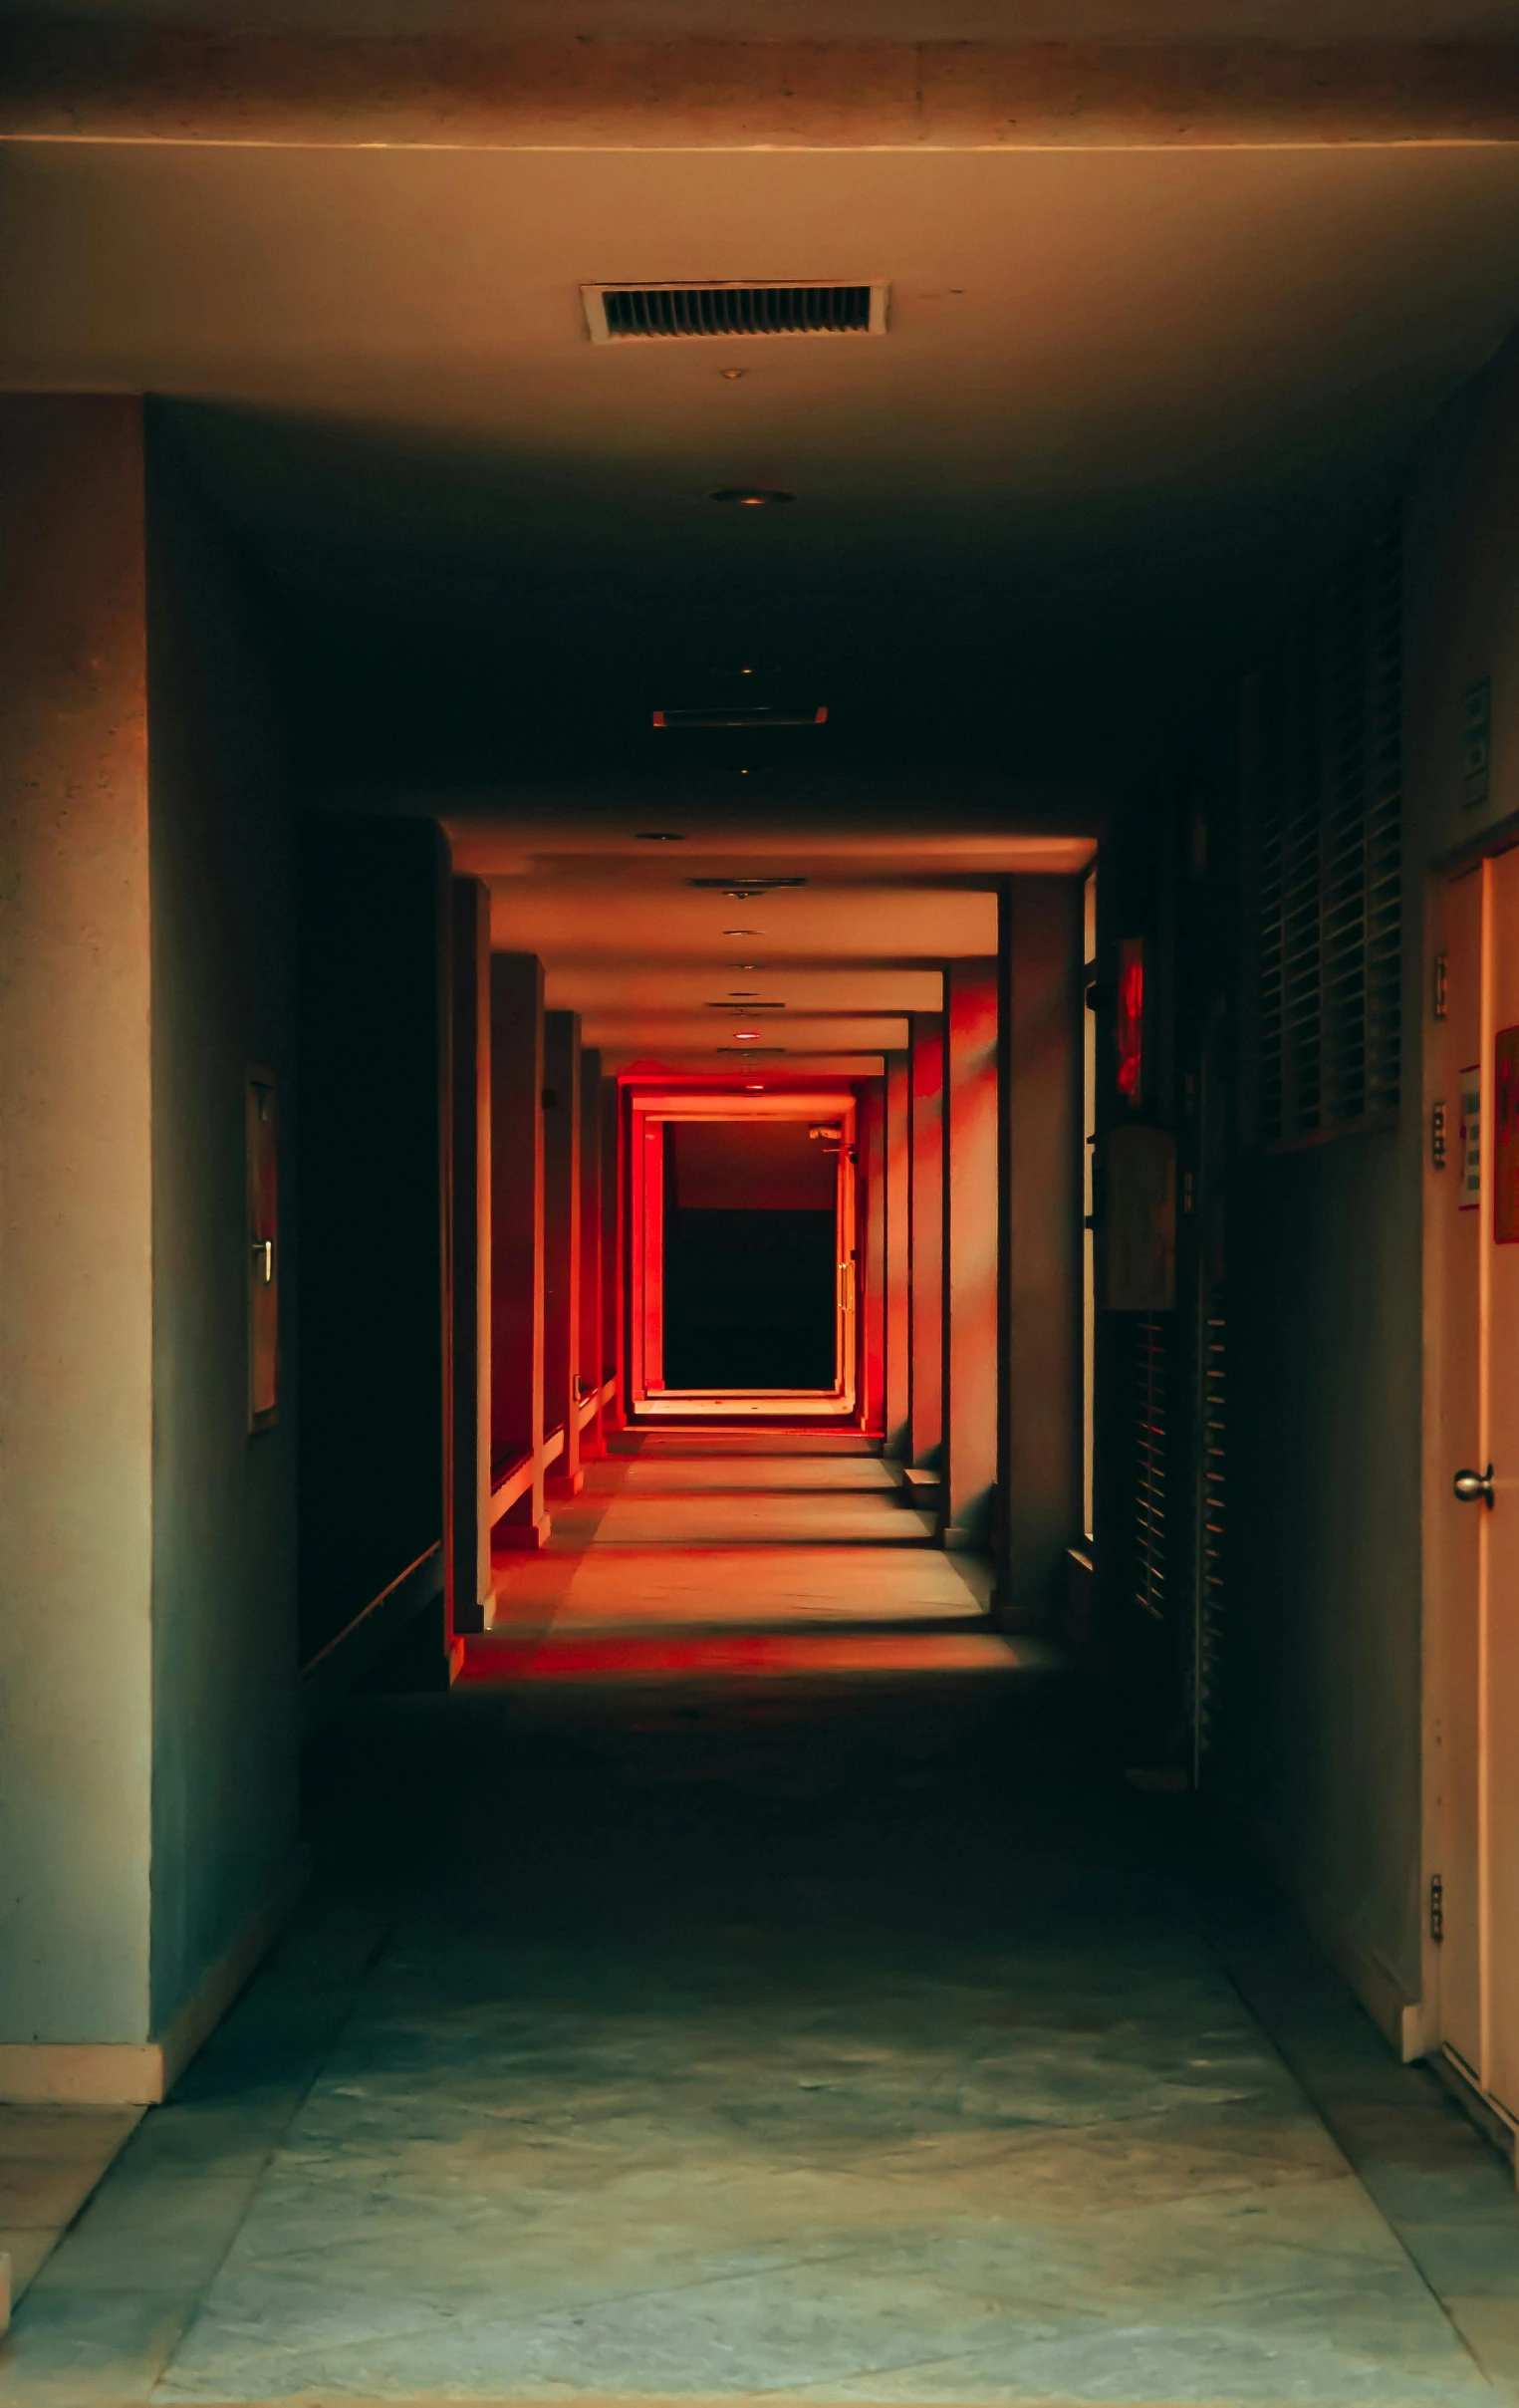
[[1506, 1138]]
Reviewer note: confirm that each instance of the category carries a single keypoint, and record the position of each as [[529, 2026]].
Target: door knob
[[1471, 1485]]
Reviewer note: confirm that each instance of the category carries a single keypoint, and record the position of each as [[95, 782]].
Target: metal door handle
[[1471, 1485], [263, 1256]]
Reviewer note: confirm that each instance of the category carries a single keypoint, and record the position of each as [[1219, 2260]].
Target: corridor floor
[[828, 2028]]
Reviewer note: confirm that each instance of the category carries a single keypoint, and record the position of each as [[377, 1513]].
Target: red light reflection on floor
[[724, 1655]]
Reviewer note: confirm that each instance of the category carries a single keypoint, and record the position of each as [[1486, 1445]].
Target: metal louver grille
[[1324, 768], [623, 313], [1151, 1450], [1210, 1532]]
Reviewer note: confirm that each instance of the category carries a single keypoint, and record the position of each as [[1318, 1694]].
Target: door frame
[[649, 1112]]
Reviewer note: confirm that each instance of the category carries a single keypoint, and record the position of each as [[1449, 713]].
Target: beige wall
[[146, 1623], [221, 884], [1327, 1309], [76, 1226]]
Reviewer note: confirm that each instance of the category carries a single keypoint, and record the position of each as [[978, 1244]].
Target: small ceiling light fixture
[[661, 836], [744, 1035], [744, 932], [732, 375], [752, 497], [735, 884], [755, 1087]]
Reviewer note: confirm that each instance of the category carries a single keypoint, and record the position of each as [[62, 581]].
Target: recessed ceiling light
[[746, 965], [755, 1087], [744, 932], [730, 376], [752, 497], [661, 836], [744, 1034]]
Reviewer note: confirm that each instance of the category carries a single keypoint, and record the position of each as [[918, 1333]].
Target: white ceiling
[[643, 956], [1144, 21], [1129, 402]]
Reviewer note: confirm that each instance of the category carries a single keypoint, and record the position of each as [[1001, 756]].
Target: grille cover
[[645, 312]]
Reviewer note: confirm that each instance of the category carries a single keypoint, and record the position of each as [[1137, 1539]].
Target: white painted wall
[[76, 1226]]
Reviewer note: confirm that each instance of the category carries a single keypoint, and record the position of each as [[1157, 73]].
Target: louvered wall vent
[[1324, 804], [654, 313]]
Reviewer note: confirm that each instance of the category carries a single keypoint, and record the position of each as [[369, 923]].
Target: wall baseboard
[[142, 2073], [1396, 2016], [197, 2018]]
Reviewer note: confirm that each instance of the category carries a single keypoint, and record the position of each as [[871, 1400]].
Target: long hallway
[[812, 2019]]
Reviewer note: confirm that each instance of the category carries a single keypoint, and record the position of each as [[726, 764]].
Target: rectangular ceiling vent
[[654, 313]]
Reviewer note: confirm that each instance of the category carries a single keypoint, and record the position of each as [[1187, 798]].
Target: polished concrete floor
[[755, 1981]]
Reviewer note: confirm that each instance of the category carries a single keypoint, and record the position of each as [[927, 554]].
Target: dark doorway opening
[[750, 1249]]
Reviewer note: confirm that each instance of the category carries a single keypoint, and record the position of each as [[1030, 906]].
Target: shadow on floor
[[824, 2038]]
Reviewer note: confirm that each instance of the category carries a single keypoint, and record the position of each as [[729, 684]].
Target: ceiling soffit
[[106, 81]]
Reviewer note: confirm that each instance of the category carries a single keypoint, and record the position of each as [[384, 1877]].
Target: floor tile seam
[[1326, 2120], [581, 2303]]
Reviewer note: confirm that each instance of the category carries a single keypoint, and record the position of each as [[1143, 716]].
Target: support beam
[[470, 1599], [898, 1292], [562, 1201], [77, 81], [970, 1398], [1043, 1030], [516, 1240], [591, 1442], [925, 1218]]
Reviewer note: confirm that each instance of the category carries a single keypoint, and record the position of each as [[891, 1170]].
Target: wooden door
[[1476, 1478], [1456, 1191]]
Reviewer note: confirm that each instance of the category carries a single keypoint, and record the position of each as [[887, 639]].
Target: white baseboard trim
[[140, 2073]]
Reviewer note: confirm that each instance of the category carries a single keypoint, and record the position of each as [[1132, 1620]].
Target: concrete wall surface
[[223, 1003], [76, 1226]]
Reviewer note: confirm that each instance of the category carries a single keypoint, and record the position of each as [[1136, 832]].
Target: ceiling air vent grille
[[652, 313]]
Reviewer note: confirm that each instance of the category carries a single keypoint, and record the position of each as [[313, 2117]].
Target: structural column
[[897, 1290], [926, 1221], [589, 1373], [970, 1250], [517, 1246], [562, 1203], [77, 1221], [1043, 1021], [614, 1256], [470, 1598]]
